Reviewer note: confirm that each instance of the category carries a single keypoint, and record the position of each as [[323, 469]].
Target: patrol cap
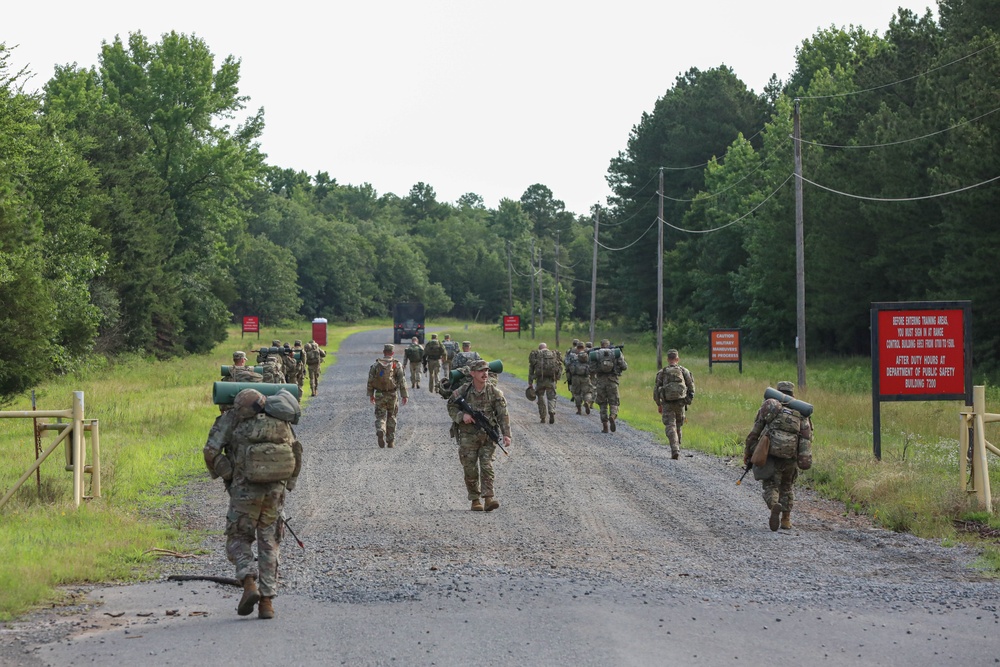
[[579, 344], [298, 343], [466, 342], [275, 343], [786, 387], [673, 353], [388, 347], [576, 341], [448, 336], [237, 355], [588, 344], [605, 342], [479, 365], [434, 335]]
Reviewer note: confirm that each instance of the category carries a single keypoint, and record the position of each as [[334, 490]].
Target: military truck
[[407, 322]]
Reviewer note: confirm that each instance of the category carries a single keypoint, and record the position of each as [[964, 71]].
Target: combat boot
[[552, 418], [612, 422], [786, 520], [477, 505], [543, 420], [579, 410], [265, 609], [676, 454], [390, 443], [775, 517], [604, 427], [492, 503], [586, 406], [381, 439], [250, 596]]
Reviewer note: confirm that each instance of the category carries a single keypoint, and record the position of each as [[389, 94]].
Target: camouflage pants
[[581, 390], [386, 409], [607, 398], [475, 451], [300, 376], [445, 367], [415, 374], [433, 374], [254, 511], [313, 378], [781, 487], [546, 390], [673, 421]]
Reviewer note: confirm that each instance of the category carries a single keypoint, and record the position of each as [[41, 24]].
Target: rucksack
[[312, 355], [784, 433], [414, 353], [672, 385], [268, 455], [384, 376], [605, 360], [581, 366], [548, 365]]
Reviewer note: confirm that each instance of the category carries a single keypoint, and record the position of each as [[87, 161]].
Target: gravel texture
[[609, 517]]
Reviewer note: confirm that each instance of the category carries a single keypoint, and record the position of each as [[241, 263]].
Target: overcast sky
[[464, 96]]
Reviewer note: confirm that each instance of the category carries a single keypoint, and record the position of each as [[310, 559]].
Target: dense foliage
[[138, 214]]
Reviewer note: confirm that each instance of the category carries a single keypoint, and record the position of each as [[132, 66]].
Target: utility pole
[[593, 273], [659, 280], [510, 283], [541, 294], [557, 289], [532, 265], [800, 257]]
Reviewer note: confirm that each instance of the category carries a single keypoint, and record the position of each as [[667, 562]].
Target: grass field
[[154, 418]]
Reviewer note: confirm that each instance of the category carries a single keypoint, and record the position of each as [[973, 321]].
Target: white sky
[[465, 96]]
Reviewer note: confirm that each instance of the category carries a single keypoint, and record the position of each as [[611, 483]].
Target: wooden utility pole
[[532, 265], [593, 274], [510, 283], [659, 280], [541, 294], [800, 257], [557, 289]]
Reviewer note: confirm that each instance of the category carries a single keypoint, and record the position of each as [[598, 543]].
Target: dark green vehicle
[[408, 321]]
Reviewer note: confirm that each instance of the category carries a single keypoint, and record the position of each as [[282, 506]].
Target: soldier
[[607, 364], [568, 360], [465, 357], [450, 350], [789, 442], [288, 361], [673, 392], [545, 369], [475, 449], [314, 358], [300, 364], [414, 356], [433, 352], [255, 451], [578, 368], [240, 372], [274, 368], [385, 378]]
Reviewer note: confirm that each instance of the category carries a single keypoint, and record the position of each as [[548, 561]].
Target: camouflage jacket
[[490, 401], [434, 349], [386, 376]]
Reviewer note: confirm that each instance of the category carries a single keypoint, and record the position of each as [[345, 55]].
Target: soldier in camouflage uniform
[[578, 369], [779, 473], [606, 369], [240, 372], [288, 361], [274, 367], [300, 364], [673, 392], [385, 379], [568, 359], [314, 358], [545, 369], [433, 352], [475, 449], [255, 503], [465, 357], [414, 357], [450, 350]]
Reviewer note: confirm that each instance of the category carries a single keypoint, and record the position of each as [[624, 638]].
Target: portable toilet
[[319, 331]]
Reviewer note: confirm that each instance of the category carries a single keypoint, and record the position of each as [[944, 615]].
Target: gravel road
[[604, 552]]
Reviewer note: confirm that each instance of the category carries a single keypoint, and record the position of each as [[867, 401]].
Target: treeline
[[137, 212]]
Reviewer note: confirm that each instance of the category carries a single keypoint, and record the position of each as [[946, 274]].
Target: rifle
[[284, 520], [482, 423], [745, 471]]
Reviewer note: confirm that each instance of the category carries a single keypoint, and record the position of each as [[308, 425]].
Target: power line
[[904, 141], [630, 244], [732, 222], [901, 199]]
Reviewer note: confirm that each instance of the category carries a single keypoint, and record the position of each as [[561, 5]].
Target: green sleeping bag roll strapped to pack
[[226, 369], [223, 393], [496, 366]]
